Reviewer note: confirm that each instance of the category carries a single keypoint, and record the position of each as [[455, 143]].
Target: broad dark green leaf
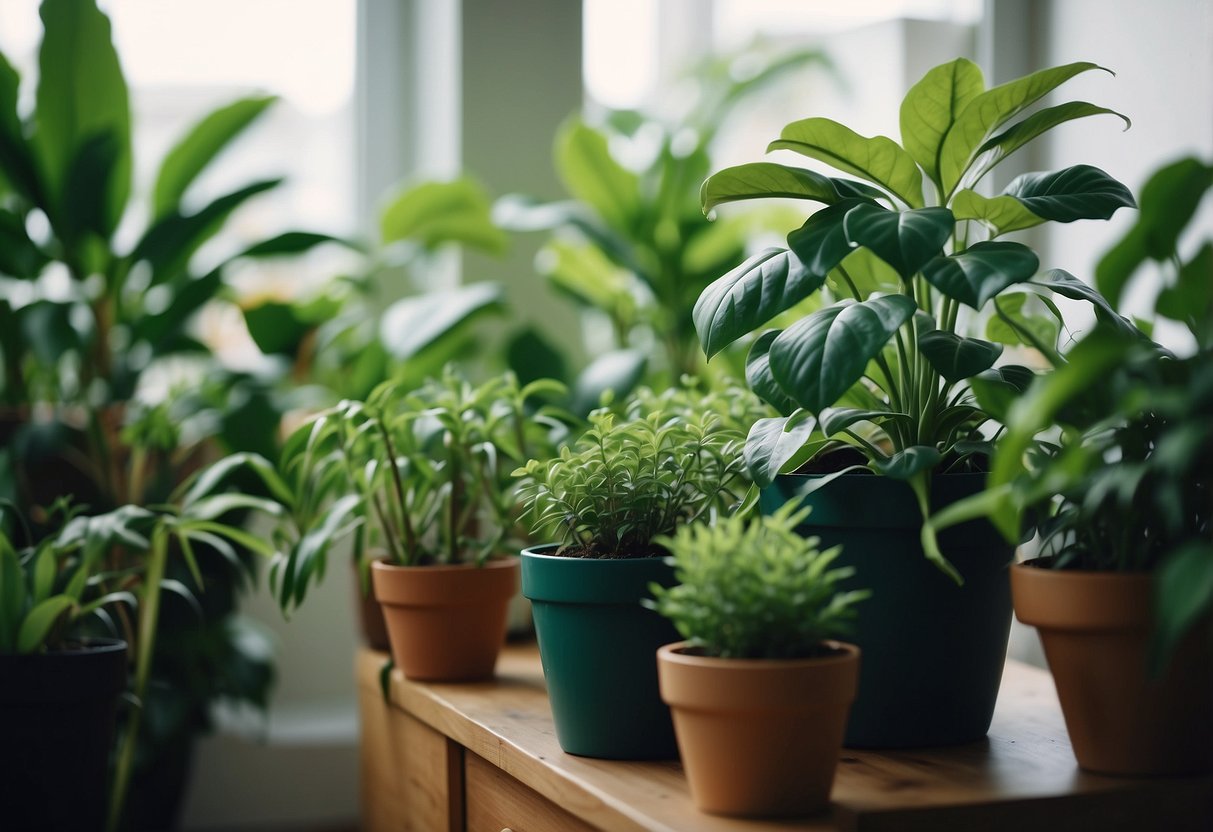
[[1190, 299], [997, 389], [1081, 192], [275, 328], [758, 374], [905, 240], [590, 173], [736, 304], [988, 111], [932, 106], [38, 623], [907, 462], [821, 243], [1017, 135], [19, 256], [17, 167], [434, 214], [836, 419], [414, 324], [981, 271], [878, 160], [865, 273], [614, 374], [956, 358], [773, 442], [194, 151], [1003, 214], [290, 243], [762, 180], [532, 356], [817, 359], [1043, 327], [81, 93], [1184, 594], [161, 329], [1069, 286], [1168, 202], [88, 208]]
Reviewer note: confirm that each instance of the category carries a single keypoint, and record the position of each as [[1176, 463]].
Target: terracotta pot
[[1096, 629], [446, 623], [759, 737], [371, 623]]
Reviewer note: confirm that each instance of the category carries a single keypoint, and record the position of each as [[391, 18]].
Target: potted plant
[[1122, 593], [759, 690], [605, 499], [883, 290]]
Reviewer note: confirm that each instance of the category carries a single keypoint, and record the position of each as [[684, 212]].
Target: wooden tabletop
[[1022, 777]]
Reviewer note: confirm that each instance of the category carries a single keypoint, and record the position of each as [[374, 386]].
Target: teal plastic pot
[[933, 652], [598, 647]]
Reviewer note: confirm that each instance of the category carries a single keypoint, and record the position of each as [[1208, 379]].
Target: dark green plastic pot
[[933, 652], [598, 647]]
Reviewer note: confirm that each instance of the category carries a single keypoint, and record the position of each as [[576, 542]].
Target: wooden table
[[484, 758]]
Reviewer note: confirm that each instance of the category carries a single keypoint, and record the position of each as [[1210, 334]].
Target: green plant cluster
[[733, 404], [625, 481], [756, 589]]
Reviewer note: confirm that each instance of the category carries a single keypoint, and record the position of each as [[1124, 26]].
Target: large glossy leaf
[[821, 243], [1017, 135], [773, 442], [878, 160], [736, 304], [614, 374], [1003, 214], [81, 93], [907, 462], [861, 273], [932, 106], [205, 140], [904, 239], [17, 168], [1043, 328], [758, 374], [88, 208], [988, 111], [1081, 192], [817, 359], [836, 419], [414, 324], [1069, 286], [591, 174], [956, 358], [433, 214], [981, 271], [762, 180], [1168, 202], [998, 388]]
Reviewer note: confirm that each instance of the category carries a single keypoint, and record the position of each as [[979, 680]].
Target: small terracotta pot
[[759, 737], [446, 623], [1096, 630]]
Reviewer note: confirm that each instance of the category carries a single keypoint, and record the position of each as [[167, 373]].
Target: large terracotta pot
[[1096, 631], [446, 623], [759, 737]]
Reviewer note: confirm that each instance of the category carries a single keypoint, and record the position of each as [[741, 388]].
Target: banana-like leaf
[[736, 304], [1081, 192], [1017, 135], [434, 214], [817, 359], [88, 206], [590, 173], [931, 107], [956, 358], [772, 442], [981, 271], [1003, 214], [878, 160], [905, 240], [758, 375], [762, 180]]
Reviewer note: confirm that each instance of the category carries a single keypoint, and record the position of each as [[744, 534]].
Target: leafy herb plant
[[626, 481], [755, 590], [907, 264]]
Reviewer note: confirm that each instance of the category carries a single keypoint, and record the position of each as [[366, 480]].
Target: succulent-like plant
[[755, 589]]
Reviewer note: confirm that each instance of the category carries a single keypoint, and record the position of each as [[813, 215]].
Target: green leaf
[[866, 272], [45, 568], [88, 176], [1184, 594], [1043, 328], [956, 358], [414, 324], [1080, 192], [614, 373], [41, 619], [834, 420], [1168, 202], [903, 239], [584, 272], [907, 462], [998, 388], [81, 93], [878, 160], [762, 180], [1017, 135], [275, 328], [931, 107], [591, 174], [758, 374], [981, 271], [817, 359], [1003, 214], [821, 243], [12, 595], [773, 442], [434, 214], [309, 555], [1190, 299], [290, 243], [199, 147], [988, 111], [736, 304], [1069, 286]]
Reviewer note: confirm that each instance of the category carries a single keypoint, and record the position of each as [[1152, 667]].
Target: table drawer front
[[497, 802]]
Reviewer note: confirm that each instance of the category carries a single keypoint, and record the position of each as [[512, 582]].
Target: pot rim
[[1037, 567], [675, 654], [504, 561], [535, 552]]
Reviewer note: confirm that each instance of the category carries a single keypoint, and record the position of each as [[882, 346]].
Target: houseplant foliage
[[604, 499], [907, 259], [1119, 492], [758, 691]]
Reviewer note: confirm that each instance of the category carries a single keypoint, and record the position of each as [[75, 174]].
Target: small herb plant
[[626, 481], [903, 268], [755, 590]]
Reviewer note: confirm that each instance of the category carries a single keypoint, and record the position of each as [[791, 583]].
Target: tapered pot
[[759, 738], [446, 623], [1096, 629], [597, 645], [57, 713], [933, 651]]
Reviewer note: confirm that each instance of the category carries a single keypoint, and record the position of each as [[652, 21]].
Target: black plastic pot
[[933, 652], [57, 714]]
